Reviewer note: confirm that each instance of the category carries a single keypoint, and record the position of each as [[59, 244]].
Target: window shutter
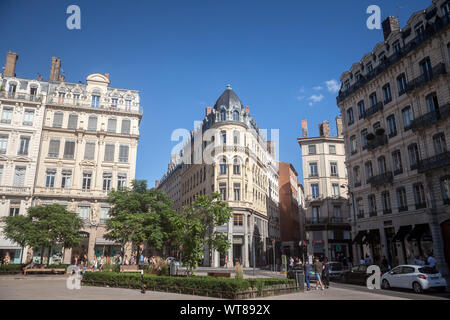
[[69, 149], [89, 151], [58, 119], [123, 153], [73, 121], [126, 124], [92, 123], [109, 152], [53, 150], [112, 123], [19, 177]]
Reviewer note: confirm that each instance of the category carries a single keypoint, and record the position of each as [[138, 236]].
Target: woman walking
[[326, 273]]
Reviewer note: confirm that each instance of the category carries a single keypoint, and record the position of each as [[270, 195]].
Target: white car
[[418, 278]]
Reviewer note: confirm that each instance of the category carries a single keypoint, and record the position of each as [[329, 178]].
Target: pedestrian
[[318, 268], [431, 261], [418, 261], [94, 263], [326, 273], [307, 269], [291, 262], [6, 259], [102, 261], [362, 261], [84, 263], [367, 260]]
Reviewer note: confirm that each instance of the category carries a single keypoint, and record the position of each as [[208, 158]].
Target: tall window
[[439, 143], [107, 181], [50, 178], [238, 220], [89, 151], [235, 115], [369, 169], [95, 102], [223, 166], [236, 166], [353, 146], [58, 119], [432, 102], [335, 189], [87, 180], [223, 137], [425, 68], [397, 162], [121, 180], [392, 126], [53, 149], [109, 152], [222, 115], [445, 189], [419, 196], [28, 117], [401, 199], [14, 209], [3, 143], [407, 118], [114, 102], [127, 105], [333, 169], [369, 67], [237, 191], [23, 146], [381, 165], [401, 84], [386, 201], [360, 207], [92, 123], [350, 116], [223, 191], [361, 109], [123, 153], [446, 9], [19, 176], [413, 151], [372, 205], [313, 169], [104, 214], [356, 176], [69, 149], [387, 93], [126, 124], [315, 190], [83, 212], [7, 114], [364, 138], [315, 214], [312, 149], [112, 124], [61, 97], [332, 149], [236, 137], [373, 99], [66, 178], [73, 121], [1, 173]]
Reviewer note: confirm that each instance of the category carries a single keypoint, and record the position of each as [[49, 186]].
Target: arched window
[[382, 165], [223, 137], [236, 137], [222, 115], [223, 165], [235, 115], [237, 166]]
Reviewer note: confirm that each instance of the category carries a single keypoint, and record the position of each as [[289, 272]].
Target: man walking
[[318, 267], [326, 273], [307, 269]]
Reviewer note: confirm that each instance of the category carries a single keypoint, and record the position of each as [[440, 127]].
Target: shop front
[[106, 248], [53, 255], [11, 250]]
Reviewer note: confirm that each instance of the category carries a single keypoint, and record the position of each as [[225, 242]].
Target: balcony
[[435, 162], [431, 31], [86, 105], [421, 205], [398, 171], [431, 118], [426, 77], [373, 214], [20, 96], [12, 190], [387, 211], [403, 209], [373, 110], [378, 141], [381, 179], [324, 220]]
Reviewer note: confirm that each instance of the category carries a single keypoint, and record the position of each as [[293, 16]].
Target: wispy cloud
[[318, 88], [315, 99], [332, 85]]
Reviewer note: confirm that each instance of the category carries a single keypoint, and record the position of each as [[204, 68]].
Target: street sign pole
[[273, 249]]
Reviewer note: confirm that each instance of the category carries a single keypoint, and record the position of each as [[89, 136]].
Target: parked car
[[418, 278], [358, 274], [336, 270]]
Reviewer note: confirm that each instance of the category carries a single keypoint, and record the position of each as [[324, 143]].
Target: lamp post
[[353, 207]]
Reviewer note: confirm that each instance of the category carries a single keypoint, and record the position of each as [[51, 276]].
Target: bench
[[130, 268], [219, 274], [44, 270]]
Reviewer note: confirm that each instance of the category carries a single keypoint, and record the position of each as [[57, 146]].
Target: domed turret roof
[[228, 99]]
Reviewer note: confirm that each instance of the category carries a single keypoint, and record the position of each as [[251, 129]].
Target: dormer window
[[358, 75], [397, 46], [419, 28], [235, 115], [347, 84], [446, 9], [369, 67]]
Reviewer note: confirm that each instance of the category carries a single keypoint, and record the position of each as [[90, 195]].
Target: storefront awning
[[104, 242], [359, 237], [418, 231], [401, 233], [373, 236], [8, 244]]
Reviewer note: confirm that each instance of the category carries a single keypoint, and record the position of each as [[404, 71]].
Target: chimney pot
[[10, 66], [208, 111], [390, 24], [305, 128]]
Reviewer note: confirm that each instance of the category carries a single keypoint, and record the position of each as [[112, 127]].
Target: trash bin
[[300, 279]]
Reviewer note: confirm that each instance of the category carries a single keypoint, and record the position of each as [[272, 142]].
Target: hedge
[[200, 285]]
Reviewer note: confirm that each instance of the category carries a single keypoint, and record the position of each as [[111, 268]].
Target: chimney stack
[[208, 111], [390, 24], [339, 127], [247, 110], [55, 69], [156, 184], [324, 129], [10, 66], [271, 148], [305, 128]]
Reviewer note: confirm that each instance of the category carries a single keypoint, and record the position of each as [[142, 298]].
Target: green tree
[[196, 227], [44, 227], [140, 215]]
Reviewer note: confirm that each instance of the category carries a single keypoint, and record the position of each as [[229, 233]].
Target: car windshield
[[335, 266], [428, 270]]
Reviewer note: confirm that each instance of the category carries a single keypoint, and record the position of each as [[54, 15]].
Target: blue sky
[[180, 55]]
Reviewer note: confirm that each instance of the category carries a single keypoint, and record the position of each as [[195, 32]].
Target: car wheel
[[417, 288], [385, 284]]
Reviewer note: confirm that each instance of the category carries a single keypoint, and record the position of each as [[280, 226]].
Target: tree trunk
[[42, 254], [48, 258]]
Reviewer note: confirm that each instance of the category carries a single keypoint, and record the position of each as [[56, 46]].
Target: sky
[[283, 58]]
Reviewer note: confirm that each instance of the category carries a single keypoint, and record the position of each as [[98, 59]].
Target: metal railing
[[378, 141], [13, 189], [426, 77], [373, 110], [20, 96], [431, 118], [438, 161], [381, 179], [86, 105]]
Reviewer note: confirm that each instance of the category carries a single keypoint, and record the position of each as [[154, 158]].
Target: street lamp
[[346, 186]]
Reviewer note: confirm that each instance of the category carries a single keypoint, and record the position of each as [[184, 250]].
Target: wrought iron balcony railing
[[20, 96], [438, 161], [426, 77], [373, 110], [431, 118], [378, 141], [381, 179]]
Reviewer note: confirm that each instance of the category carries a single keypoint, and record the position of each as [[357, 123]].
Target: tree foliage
[[196, 227], [140, 215]]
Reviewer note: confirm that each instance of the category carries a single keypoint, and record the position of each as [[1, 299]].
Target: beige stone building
[[21, 114], [327, 213], [66, 143], [395, 103], [227, 154]]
